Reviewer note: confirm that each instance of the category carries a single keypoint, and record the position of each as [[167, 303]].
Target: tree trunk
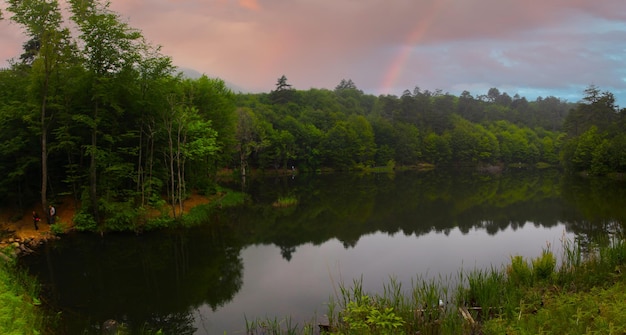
[[93, 194], [44, 150]]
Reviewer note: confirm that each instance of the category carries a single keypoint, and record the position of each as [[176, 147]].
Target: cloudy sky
[[533, 48]]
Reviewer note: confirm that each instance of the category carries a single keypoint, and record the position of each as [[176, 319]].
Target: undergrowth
[[20, 311]]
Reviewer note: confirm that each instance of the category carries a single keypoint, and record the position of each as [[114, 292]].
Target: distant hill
[[193, 74]]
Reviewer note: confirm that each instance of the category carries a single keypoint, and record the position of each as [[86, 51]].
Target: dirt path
[[23, 228]]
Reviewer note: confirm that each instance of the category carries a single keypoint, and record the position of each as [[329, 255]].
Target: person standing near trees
[[52, 212], [36, 220]]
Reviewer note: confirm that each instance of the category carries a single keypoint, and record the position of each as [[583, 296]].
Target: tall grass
[[20, 311], [582, 291], [286, 201], [275, 326]]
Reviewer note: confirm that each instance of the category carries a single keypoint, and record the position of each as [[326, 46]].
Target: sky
[[531, 48]]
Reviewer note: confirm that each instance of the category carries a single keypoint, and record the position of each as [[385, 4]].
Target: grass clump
[[266, 326], [20, 311], [583, 294], [423, 309], [285, 201]]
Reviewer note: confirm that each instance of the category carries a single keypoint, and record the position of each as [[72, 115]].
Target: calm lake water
[[258, 261]]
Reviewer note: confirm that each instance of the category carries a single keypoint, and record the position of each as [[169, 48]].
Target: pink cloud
[[249, 4], [317, 43]]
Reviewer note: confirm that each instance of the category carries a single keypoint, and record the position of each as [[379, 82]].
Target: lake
[[258, 261]]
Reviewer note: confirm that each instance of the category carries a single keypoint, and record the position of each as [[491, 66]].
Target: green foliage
[[519, 272], [19, 304], [287, 201], [599, 311], [120, 216], [158, 223], [485, 289], [268, 326], [526, 300], [57, 228], [544, 266], [364, 317], [110, 112], [84, 222]]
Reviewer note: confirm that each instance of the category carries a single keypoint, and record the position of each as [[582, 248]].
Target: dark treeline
[[347, 129], [347, 207], [91, 110]]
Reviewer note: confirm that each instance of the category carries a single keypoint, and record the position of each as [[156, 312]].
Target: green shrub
[[543, 266], [365, 317], [485, 289], [519, 272], [84, 222], [19, 311], [57, 228], [158, 223], [119, 216]]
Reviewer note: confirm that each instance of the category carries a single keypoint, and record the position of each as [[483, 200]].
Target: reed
[[585, 293], [498, 300], [275, 326]]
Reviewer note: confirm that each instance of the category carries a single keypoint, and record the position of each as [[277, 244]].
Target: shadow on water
[[157, 281], [149, 282]]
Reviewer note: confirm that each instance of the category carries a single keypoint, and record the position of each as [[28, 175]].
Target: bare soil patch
[[17, 224]]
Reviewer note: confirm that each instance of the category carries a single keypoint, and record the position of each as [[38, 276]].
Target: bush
[[57, 228], [364, 317], [84, 222], [519, 272], [19, 312], [543, 266]]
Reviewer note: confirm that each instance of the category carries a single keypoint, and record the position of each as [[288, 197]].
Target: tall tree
[[345, 85], [283, 93], [49, 48], [109, 46], [250, 138], [215, 102], [596, 109]]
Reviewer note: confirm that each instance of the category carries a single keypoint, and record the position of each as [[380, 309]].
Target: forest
[[93, 111]]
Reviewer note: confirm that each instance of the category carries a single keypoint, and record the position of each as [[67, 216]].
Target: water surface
[[258, 261]]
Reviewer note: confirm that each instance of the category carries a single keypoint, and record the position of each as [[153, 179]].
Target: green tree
[[280, 151], [154, 85], [596, 109], [436, 149], [42, 20], [407, 146], [345, 85], [549, 151], [341, 146], [216, 102], [586, 145], [283, 93], [250, 138], [18, 146], [189, 138], [110, 46]]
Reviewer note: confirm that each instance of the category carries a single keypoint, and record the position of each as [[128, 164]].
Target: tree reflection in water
[[157, 281]]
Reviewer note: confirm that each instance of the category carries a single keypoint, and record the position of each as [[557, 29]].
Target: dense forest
[[91, 110]]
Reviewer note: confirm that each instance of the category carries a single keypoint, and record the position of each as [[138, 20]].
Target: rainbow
[[414, 37]]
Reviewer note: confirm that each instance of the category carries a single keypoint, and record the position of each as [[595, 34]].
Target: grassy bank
[[584, 293], [20, 311]]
